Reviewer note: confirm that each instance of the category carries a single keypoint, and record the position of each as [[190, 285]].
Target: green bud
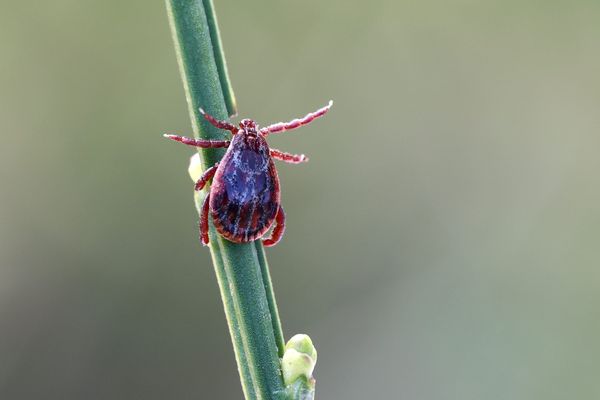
[[303, 344], [299, 359], [294, 365], [195, 168]]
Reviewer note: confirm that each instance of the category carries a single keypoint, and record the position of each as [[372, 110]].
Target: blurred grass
[[454, 190]]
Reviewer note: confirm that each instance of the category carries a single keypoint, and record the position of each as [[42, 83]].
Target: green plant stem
[[215, 36], [241, 269], [266, 276]]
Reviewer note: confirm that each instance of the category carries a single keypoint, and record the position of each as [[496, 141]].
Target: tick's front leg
[[206, 176], [203, 143], [287, 157], [296, 123], [277, 230], [204, 221], [219, 124]]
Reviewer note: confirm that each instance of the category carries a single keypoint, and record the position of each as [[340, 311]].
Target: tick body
[[244, 200]]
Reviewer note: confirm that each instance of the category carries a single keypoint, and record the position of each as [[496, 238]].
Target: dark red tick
[[244, 198]]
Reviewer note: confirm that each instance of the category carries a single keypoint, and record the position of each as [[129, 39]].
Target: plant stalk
[[241, 269]]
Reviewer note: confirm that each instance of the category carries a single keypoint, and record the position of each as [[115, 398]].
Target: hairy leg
[[204, 221], [203, 143], [206, 176], [277, 230], [219, 124], [296, 123], [287, 157]]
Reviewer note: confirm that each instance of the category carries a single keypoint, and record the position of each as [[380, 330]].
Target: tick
[[245, 198]]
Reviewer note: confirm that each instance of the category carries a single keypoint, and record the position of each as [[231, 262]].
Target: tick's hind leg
[[287, 157], [277, 230], [296, 123], [204, 221], [209, 173]]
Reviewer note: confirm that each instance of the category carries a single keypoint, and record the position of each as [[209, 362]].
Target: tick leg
[[277, 230], [287, 157], [204, 221], [219, 124], [296, 123], [209, 173], [204, 143]]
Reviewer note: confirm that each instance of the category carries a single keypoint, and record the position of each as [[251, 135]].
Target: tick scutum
[[245, 195]]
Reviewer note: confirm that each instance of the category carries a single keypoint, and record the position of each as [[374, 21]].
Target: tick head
[[249, 127]]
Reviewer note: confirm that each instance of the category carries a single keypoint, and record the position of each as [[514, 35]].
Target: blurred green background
[[442, 243]]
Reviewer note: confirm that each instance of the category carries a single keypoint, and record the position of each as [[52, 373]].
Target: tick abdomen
[[245, 193]]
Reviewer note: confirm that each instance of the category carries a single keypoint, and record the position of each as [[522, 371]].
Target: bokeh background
[[442, 243]]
